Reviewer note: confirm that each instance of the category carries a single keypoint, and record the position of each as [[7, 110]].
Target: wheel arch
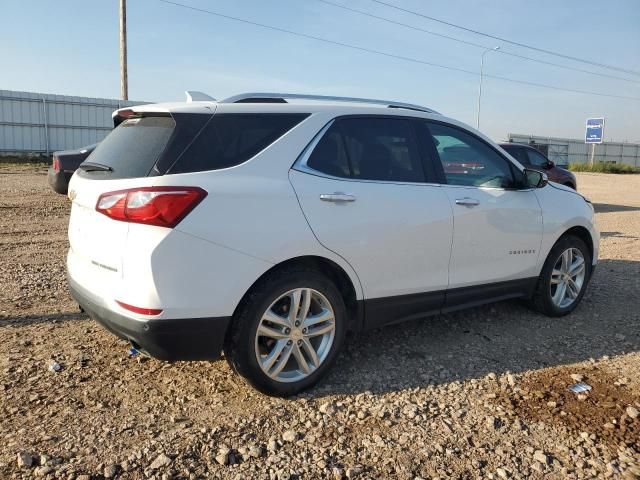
[[333, 271], [583, 234]]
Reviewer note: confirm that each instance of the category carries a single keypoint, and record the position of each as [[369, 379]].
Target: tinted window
[[132, 148], [518, 153], [231, 139], [469, 161], [330, 156], [536, 158], [383, 149]]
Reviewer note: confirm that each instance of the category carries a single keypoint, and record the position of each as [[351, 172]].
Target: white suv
[[268, 225]]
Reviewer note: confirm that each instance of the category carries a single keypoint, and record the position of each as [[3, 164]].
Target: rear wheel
[[564, 277], [287, 332]]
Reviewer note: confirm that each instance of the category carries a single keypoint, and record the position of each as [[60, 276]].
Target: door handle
[[467, 202], [337, 197]]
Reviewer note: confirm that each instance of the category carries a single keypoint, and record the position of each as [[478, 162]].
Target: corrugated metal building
[[40, 123], [564, 151]]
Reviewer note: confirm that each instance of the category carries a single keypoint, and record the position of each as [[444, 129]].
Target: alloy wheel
[[567, 277], [295, 335]]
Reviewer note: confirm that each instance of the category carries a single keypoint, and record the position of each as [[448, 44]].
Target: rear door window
[[132, 148], [231, 139], [375, 148]]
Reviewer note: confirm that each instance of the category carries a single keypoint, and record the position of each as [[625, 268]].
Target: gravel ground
[[475, 394]]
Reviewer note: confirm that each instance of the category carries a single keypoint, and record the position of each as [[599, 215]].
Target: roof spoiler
[[194, 96]]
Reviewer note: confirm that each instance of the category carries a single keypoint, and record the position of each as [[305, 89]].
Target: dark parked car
[[64, 164], [529, 157]]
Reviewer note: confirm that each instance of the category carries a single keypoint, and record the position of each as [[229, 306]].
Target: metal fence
[[564, 151], [40, 123]]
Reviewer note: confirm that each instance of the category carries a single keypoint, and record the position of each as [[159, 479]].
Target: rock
[[110, 471], [43, 471], [222, 457], [353, 472], [272, 445], [632, 412], [83, 477], [502, 472], [255, 451], [328, 408], [337, 473], [25, 460], [493, 423], [290, 436], [577, 377], [161, 461], [542, 457]]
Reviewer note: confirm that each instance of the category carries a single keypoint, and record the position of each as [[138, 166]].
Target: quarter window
[[468, 161], [232, 139], [383, 149]]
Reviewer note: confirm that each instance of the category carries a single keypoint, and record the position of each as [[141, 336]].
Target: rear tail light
[[160, 206], [56, 164], [140, 310]]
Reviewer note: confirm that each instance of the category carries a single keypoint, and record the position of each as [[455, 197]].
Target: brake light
[[142, 311], [159, 206], [56, 164]]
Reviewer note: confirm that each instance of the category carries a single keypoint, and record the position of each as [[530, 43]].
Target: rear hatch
[[125, 159]]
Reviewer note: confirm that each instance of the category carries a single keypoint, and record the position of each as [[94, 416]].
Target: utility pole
[[481, 77], [124, 81]]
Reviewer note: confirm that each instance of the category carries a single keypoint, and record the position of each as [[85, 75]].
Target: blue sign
[[595, 130]]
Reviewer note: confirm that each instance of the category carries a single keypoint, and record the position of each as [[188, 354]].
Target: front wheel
[[287, 332], [564, 277]]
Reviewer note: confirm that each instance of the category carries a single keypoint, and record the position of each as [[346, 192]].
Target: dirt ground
[[475, 394]]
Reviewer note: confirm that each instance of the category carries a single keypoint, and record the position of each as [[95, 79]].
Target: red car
[[529, 157]]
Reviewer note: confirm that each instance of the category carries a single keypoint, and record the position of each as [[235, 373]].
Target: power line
[[386, 54], [549, 52], [473, 44]]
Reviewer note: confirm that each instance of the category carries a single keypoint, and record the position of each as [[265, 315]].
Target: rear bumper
[[59, 181], [165, 339]]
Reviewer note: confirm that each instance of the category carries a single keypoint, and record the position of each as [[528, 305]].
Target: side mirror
[[550, 164], [535, 179]]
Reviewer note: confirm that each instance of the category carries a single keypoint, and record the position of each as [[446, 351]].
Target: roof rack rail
[[263, 97]]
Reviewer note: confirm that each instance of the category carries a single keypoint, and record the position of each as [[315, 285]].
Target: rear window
[[383, 149], [132, 148], [232, 139]]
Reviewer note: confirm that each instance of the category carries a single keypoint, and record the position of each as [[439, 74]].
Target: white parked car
[[268, 225]]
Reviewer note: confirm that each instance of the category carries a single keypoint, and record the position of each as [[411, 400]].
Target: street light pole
[[481, 77]]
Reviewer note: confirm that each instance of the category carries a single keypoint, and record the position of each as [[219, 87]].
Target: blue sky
[[71, 47]]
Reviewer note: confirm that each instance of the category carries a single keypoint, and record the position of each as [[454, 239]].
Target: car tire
[[570, 185], [250, 353], [549, 298]]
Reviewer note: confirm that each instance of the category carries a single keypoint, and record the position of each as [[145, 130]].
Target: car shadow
[[34, 319], [608, 208], [498, 338], [615, 235]]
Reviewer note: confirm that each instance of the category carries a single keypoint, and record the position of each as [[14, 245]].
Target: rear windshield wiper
[[95, 167]]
